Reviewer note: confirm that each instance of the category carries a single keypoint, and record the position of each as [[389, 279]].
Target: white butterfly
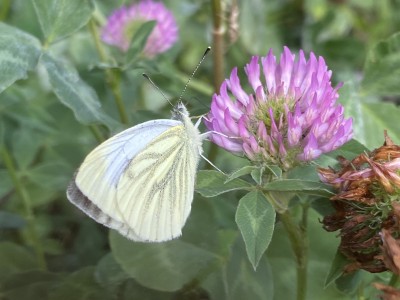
[[141, 181]]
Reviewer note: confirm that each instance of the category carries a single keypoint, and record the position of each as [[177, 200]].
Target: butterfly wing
[[94, 186], [155, 193]]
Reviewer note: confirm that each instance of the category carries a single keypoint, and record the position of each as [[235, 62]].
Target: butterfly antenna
[[156, 87], [194, 72]]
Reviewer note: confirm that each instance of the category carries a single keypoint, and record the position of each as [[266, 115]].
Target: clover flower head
[[289, 116], [126, 20]]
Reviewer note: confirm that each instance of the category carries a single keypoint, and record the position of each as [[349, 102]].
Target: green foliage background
[[56, 105]]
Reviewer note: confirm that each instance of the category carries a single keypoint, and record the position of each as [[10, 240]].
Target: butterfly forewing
[[93, 188], [163, 176]]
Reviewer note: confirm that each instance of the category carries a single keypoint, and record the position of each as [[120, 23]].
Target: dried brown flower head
[[366, 203]]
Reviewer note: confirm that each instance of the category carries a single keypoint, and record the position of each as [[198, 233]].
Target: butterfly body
[[141, 181]]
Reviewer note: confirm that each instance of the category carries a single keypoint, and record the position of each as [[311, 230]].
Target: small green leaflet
[[212, 183], [255, 218]]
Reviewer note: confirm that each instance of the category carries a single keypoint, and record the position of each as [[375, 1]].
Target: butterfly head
[[179, 111]]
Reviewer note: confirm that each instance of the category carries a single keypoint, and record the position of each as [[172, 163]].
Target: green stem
[[96, 133], [218, 58], [5, 9], [112, 76], [218, 43], [24, 196], [299, 241]]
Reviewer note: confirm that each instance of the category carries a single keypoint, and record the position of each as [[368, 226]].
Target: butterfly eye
[[179, 111]]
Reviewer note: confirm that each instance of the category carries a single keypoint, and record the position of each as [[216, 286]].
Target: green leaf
[[90, 251], [382, 68], [348, 283], [212, 183], [6, 185], [19, 53], [131, 290], [59, 18], [10, 220], [379, 117], [274, 170], [257, 175], [25, 144], [74, 93], [108, 272], [48, 175], [255, 218], [80, 285], [241, 172], [370, 115], [337, 268], [323, 206], [32, 285], [14, 258], [299, 186], [307, 172], [139, 41], [166, 266], [237, 279], [202, 221]]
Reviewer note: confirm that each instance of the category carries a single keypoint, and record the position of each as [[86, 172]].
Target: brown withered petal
[[396, 214], [388, 140], [328, 175], [390, 151], [391, 252], [389, 292], [382, 175]]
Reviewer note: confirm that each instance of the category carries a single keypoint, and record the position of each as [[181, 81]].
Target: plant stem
[[218, 59], [96, 133], [299, 241], [5, 9], [218, 43], [24, 196], [112, 76]]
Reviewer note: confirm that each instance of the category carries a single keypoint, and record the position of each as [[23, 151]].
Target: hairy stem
[[297, 234]]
